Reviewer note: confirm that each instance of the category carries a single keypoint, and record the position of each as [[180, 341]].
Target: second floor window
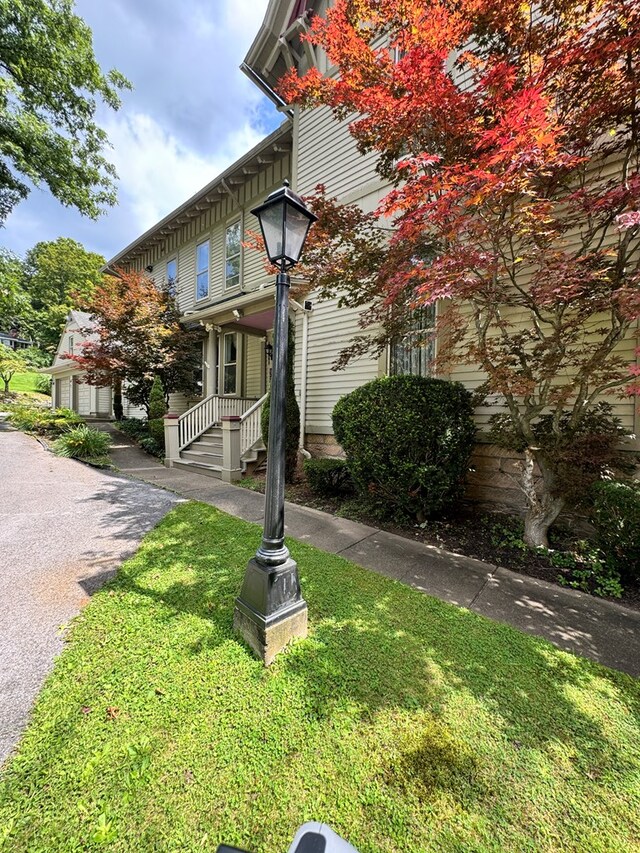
[[232, 256], [202, 270], [172, 275], [70, 344]]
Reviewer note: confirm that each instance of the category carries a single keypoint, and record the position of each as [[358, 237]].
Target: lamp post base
[[270, 611]]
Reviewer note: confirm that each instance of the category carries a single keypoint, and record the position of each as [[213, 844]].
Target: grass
[[405, 723], [23, 382]]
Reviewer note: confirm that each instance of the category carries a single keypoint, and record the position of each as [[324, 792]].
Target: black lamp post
[[270, 610]]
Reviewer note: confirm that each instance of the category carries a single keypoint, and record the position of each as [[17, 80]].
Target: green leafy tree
[[58, 275], [14, 302], [50, 87], [10, 362]]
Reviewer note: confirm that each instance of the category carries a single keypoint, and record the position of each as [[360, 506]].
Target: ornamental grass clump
[[407, 440], [84, 443]]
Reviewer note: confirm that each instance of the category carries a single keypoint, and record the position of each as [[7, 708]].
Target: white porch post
[[231, 468], [211, 353], [171, 440]]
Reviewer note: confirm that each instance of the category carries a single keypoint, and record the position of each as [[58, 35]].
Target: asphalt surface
[[64, 530]]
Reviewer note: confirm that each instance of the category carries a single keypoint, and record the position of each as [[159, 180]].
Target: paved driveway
[[64, 529]]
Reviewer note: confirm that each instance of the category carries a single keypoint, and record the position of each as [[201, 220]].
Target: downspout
[[303, 372]]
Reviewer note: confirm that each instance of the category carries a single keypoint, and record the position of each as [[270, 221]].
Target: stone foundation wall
[[320, 445], [492, 482]]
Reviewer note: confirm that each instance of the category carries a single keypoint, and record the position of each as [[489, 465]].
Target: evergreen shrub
[[616, 516], [328, 477], [408, 440], [157, 411]]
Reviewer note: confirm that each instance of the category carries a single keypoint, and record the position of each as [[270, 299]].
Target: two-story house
[[224, 289]]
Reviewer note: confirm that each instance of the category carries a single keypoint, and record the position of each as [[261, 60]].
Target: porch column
[[210, 357]]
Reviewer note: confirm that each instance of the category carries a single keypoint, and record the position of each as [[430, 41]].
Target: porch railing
[[250, 426], [206, 413]]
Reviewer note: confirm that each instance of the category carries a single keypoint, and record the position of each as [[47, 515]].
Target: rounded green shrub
[[83, 442], [328, 477], [616, 516], [407, 440]]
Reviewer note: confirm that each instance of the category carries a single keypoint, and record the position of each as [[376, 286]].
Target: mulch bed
[[491, 537]]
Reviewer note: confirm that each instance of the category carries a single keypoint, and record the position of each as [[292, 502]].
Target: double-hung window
[[202, 270], [172, 275], [230, 363], [414, 351], [232, 247]]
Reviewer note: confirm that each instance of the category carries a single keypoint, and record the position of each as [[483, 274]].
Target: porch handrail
[[201, 417], [250, 425], [197, 420]]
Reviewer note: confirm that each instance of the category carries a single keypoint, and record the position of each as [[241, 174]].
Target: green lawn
[[23, 382], [406, 723]]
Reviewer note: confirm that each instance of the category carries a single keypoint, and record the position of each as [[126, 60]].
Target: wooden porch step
[[200, 468], [199, 454]]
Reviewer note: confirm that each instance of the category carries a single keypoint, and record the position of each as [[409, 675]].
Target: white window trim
[[206, 296], [229, 224]]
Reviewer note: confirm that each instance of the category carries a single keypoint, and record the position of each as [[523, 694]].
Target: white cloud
[[158, 173]]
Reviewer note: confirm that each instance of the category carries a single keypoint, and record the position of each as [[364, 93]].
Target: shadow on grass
[[378, 644], [377, 650]]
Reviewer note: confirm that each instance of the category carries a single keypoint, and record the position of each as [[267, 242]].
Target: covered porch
[[220, 432]]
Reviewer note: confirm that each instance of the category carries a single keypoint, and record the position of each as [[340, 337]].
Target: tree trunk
[[543, 506], [6, 384]]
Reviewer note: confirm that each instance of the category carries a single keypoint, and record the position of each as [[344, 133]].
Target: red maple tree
[[137, 336], [509, 134]]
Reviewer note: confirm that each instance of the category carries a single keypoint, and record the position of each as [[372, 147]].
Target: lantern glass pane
[[296, 227], [272, 229]]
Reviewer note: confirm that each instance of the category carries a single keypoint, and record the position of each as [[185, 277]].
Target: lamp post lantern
[[270, 609]]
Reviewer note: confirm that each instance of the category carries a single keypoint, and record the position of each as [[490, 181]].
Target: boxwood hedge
[[407, 440]]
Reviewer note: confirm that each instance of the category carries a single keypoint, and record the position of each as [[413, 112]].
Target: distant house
[[13, 341], [69, 389]]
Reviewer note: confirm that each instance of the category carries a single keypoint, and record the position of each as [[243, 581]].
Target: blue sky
[[191, 114]]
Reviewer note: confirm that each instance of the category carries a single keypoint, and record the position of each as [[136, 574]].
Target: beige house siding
[[227, 208], [330, 329], [327, 154], [254, 366]]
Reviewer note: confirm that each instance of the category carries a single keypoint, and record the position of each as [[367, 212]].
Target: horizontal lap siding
[[254, 366], [328, 155], [212, 226], [330, 330]]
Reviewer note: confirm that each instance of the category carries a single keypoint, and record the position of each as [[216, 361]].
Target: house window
[[414, 351], [232, 256], [230, 363], [172, 275], [70, 344], [202, 270]]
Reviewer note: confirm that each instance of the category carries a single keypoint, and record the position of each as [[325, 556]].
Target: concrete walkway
[[64, 529], [580, 623]]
